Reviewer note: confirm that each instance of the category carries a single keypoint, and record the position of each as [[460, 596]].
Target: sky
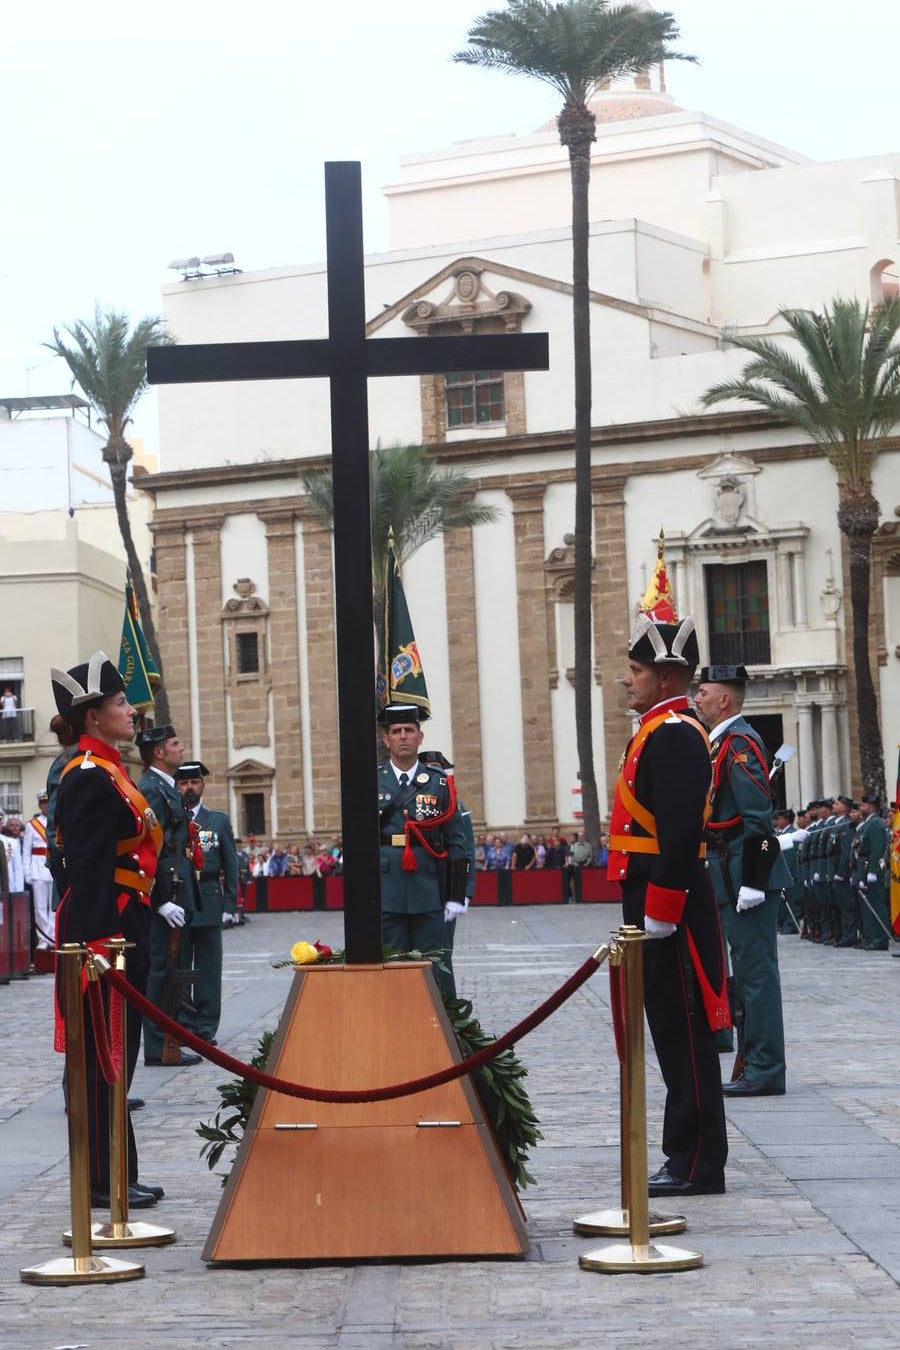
[[131, 136]]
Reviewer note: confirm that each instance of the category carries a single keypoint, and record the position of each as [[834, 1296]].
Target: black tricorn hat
[[664, 644], [85, 684], [871, 799], [724, 675], [847, 801], [154, 735], [435, 757], [397, 713], [195, 769]]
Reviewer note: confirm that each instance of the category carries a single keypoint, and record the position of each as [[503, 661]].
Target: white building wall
[[499, 674]]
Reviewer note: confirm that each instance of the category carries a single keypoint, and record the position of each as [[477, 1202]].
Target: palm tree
[[844, 392], [575, 46], [109, 364], [410, 495]]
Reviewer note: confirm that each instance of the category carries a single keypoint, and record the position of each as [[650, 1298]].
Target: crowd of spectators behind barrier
[[495, 852], [287, 860]]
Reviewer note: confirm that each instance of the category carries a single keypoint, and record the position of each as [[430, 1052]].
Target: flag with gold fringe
[[401, 678], [136, 664]]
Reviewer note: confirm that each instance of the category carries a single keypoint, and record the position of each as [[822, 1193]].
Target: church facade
[[699, 231]]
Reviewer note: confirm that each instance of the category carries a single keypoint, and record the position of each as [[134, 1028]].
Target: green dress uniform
[[829, 920], [873, 838], [843, 901], [744, 851], [176, 882], [218, 893], [412, 900]]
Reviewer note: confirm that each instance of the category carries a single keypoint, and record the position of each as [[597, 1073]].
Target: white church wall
[[244, 554], [425, 584], [499, 675]]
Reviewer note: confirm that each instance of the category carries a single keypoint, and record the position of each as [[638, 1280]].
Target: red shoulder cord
[[418, 828]]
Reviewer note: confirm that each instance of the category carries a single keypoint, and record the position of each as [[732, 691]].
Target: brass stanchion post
[[120, 1231], [637, 1254], [82, 1267], [616, 1222]]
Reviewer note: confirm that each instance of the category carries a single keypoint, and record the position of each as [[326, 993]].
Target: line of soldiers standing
[[840, 873]]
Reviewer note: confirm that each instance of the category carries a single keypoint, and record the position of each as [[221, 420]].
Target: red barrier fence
[[549, 886]]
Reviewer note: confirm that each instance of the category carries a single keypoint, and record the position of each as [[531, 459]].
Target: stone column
[[785, 590], [321, 665], [285, 672], [209, 741], [172, 618], [806, 752], [462, 645], [831, 754], [534, 655], [612, 615], [800, 619]]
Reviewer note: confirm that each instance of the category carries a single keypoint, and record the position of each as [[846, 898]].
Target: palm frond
[[843, 389], [573, 45]]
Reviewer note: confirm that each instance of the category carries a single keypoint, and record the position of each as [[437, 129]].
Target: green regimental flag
[[400, 675], [136, 664]]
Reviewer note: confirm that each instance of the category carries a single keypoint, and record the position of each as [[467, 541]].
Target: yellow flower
[[304, 954]]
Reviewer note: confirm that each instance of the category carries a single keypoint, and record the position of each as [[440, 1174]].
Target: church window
[[254, 809], [737, 610], [246, 647], [474, 398]]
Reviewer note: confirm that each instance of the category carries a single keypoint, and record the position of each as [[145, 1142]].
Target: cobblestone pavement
[[803, 1251]]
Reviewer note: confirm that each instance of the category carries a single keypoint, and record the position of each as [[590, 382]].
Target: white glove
[[749, 898], [871, 877], [837, 878], [787, 841], [172, 913], [658, 928], [452, 909], [816, 876], [228, 919]]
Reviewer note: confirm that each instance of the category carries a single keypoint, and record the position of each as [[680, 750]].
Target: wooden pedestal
[[417, 1176]]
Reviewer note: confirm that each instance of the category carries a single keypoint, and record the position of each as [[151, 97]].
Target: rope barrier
[[108, 1041], [383, 1094]]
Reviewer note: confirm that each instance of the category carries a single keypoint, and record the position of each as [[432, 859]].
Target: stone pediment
[[468, 299], [251, 769]]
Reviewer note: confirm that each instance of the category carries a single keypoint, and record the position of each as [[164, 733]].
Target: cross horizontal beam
[[221, 362]]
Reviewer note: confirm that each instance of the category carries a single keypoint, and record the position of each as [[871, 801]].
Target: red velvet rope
[[109, 1056], [617, 1008], [267, 1080]]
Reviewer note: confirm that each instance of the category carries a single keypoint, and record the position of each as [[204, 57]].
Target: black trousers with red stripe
[[694, 1140]]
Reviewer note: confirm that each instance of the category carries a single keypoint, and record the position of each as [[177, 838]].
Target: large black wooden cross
[[348, 359]]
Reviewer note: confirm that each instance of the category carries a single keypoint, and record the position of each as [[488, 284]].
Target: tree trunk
[[117, 473], [858, 520], [576, 130]]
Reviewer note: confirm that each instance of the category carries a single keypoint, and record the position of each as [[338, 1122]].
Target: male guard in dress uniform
[[218, 891], [656, 853], [843, 901], [37, 874], [872, 838], [176, 897], [423, 844], [748, 874], [453, 909]]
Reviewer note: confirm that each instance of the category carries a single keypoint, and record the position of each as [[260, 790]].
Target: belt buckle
[[398, 840]]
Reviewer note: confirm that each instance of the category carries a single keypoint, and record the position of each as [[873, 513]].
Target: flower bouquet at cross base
[[499, 1084]]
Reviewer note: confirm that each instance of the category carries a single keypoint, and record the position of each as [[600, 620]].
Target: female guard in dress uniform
[[110, 840]]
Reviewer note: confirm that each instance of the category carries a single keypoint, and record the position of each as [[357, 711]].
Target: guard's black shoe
[[136, 1199], [743, 1087], [663, 1183], [156, 1191], [135, 1103], [186, 1058]]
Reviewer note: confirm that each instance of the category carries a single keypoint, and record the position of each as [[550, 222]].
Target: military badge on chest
[[208, 840], [427, 806]]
